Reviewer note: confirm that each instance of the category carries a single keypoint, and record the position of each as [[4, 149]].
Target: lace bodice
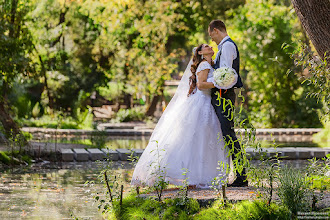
[[203, 66]]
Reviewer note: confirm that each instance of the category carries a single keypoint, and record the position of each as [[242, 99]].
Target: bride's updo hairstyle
[[197, 59]]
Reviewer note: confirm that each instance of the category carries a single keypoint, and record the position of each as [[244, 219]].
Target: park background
[[69, 68], [74, 64]]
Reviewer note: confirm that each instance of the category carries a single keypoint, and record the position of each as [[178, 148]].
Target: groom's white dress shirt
[[228, 53]]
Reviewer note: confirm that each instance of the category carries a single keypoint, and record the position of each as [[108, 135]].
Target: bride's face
[[207, 50]]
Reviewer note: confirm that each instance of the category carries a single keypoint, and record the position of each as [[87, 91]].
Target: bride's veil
[[179, 97], [183, 88]]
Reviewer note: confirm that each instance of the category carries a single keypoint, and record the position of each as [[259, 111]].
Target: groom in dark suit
[[227, 56]]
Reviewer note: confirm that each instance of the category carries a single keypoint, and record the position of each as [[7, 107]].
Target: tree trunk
[[314, 16], [152, 108]]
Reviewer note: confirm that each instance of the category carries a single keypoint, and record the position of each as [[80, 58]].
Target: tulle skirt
[[187, 140]]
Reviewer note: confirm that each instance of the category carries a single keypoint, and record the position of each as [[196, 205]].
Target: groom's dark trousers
[[226, 119]]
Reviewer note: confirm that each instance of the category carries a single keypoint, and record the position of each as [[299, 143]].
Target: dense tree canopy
[[61, 52]]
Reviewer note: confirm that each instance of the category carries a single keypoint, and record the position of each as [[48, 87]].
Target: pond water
[[58, 191], [53, 191]]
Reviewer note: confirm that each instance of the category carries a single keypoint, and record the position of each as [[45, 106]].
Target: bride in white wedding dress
[[188, 135]]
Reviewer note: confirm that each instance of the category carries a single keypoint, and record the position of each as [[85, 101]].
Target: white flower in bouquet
[[225, 77]]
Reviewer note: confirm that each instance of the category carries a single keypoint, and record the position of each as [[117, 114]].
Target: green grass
[[244, 210], [47, 121], [148, 208], [321, 182], [139, 208]]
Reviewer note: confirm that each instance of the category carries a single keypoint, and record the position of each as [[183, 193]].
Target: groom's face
[[212, 34]]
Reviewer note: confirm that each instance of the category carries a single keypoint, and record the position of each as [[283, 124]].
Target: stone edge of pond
[[140, 131], [82, 153]]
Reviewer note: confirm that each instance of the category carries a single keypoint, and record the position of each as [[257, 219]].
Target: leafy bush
[[111, 91], [294, 190], [133, 114], [36, 110], [323, 137], [55, 121], [4, 158], [84, 119]]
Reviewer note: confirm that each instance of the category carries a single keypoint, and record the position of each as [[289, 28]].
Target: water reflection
[[48, 193], [57, 190]]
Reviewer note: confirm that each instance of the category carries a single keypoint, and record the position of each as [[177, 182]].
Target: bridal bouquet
[[225, 77]]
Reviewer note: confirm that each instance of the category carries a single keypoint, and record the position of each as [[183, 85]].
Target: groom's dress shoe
[[239, 182]]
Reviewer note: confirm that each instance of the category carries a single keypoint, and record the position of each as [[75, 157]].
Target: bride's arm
[[202, 77]]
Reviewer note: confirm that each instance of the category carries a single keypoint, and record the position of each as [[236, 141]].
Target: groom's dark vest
[[235, 65]]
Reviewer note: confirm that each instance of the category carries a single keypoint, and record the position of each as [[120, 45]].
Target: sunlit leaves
[[260, 29]]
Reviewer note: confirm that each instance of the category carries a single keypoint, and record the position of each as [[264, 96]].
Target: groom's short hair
[[218, 24]]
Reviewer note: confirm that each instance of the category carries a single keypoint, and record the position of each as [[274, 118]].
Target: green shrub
[[36, 110], [84, 119], [133, 114], [294, 190], [111, 91], [4, 158], [56, 121], [323, 137]]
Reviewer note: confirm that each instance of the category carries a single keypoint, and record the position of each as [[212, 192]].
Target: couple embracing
[[190, 136]]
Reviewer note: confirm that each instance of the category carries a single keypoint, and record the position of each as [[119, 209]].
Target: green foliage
[[244, 210], [131, 47], [265, 175], [4, 158], [158, 172], [52, 121], [28, 136], [323, 137], [133, 114], [36, 110], [315, 73], [294, 191], [23, 106], [135, 207], [84, 119], [260, 28], [15, 42], [14, 158], [111, 91]]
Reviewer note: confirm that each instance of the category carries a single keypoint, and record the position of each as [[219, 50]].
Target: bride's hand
[[211, 79]]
